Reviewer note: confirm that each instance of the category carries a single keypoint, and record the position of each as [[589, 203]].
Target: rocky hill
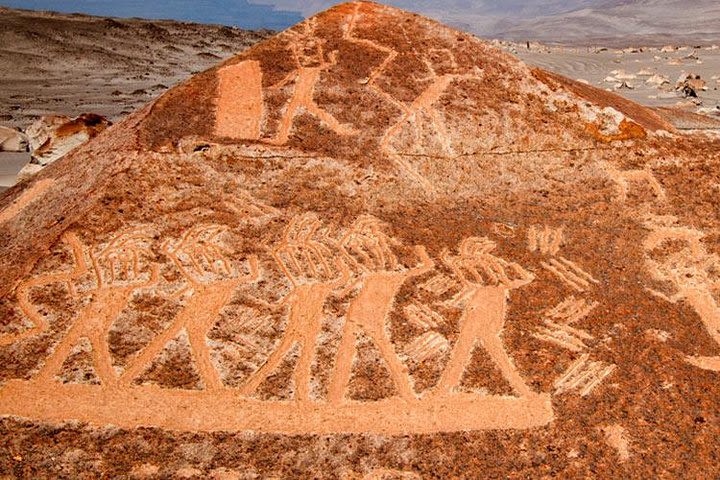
[[369, 247]]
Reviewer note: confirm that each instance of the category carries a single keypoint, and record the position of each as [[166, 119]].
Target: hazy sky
[[474, 15]]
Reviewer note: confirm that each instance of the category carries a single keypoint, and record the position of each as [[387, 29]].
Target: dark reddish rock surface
[[369, 247]]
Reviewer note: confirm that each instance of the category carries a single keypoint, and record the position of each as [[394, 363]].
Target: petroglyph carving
[[239, 103], [571, 310], [570, 273], [121, 268], [26, 287], [311, 261], [624, 178], [25, 198], [364, 259], [381, 474], [439, 285], [616, 437], [676, 255], [423, 316], [486, 281], [583, 376], [545, 240], [503, 229], [369, 251], [203, 262], [426, 346], [557, 323], [563, 336], [311, 60], [421, 107]]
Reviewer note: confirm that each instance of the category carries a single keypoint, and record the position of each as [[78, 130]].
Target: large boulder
[[12, 140], [53, 136], [369, 247]]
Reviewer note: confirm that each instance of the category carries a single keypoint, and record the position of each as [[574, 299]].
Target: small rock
[[624, 86], [658, 80], [623, 75]]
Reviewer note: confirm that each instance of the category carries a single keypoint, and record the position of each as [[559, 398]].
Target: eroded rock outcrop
[[12, 140]]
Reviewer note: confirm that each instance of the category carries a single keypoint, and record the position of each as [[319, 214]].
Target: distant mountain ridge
[[618, 22], [608, 22]]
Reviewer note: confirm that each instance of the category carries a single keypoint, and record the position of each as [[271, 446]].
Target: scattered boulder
[[645, 72], [683, 119], [51, 137], [623, 75], [690, 84], [624, 86], [710, 110], [668, 49], [658, 80]]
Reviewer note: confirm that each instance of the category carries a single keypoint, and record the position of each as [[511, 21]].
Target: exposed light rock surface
[[12, 140], [369, 247]]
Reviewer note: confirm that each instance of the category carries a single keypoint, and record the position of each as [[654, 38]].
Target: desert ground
[[71, 64], [634, 66]]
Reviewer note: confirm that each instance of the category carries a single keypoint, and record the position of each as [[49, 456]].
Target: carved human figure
[[442, 72], [311, 60], [120, 269], [487, 281], [24, 290], [676, 255], [202, 260], [368, 249], [311, 261]]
